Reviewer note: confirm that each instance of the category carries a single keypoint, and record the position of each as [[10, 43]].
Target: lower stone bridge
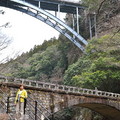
[[56, 97]]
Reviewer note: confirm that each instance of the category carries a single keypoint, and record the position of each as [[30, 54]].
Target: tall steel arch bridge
[[39, 9]]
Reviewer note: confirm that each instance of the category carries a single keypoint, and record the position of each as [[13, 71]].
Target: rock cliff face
[[108, 17], [108, 26]]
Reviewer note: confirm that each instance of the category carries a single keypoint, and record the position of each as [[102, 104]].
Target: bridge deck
[[66, 7], [53, 5]]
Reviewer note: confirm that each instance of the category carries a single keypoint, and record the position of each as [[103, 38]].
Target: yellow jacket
[[23, 95]]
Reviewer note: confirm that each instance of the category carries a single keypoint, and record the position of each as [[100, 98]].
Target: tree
[[102, 16], [4, 39], [4, 42], [100, 67]]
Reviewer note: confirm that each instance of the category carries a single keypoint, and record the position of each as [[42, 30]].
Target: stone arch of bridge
[[57, 98], [109, 109], [109, 112], [49, 19]]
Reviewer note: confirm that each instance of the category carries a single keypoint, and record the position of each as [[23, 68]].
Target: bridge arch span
[[57, 97], [47, 18], [108, 108]]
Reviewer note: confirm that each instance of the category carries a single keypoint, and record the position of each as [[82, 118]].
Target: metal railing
[[41, 108], [38, 110], [32, 109], [5, 103]]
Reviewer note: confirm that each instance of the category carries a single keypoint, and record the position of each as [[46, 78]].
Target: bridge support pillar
[[39, 5], [59, 11], [77, 14], [90, 27], [73, 25], [95, 24]]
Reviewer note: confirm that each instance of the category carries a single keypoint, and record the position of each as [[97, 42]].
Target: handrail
[[37, 108], [29, 105], [30, 112], [38, 102], [2, 105], [41, 105], [5, 95], [31, 115]]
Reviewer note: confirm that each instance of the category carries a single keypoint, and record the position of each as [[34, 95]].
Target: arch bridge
[[37, 9], [56, 97]]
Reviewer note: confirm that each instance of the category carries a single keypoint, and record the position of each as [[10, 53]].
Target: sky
[[25, 32]]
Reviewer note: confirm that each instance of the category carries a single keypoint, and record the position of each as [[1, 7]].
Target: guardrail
[[5, 105], [59, 88], [37, 111]]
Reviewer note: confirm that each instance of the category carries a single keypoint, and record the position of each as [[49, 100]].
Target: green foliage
[[44, 62], [44, 46], [41, 64], [22, 73], [74, 70], [99, 67]]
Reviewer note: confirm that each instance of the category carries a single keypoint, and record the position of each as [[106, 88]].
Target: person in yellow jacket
[[21, 95]]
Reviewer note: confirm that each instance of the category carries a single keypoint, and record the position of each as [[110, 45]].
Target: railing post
[[35, 110], [52, 116], [8, 104]]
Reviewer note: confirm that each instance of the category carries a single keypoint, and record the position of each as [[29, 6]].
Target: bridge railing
[[59, 88], [45, 111], [39, 108], [5, 103]]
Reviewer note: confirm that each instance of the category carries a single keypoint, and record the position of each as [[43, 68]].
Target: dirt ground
[[3, 116]]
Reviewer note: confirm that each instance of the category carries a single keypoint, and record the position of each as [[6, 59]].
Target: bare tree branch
[[100, 6], [116, 32], [4, 41]]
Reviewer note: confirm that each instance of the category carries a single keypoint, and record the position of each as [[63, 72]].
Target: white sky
[[25, 32]]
